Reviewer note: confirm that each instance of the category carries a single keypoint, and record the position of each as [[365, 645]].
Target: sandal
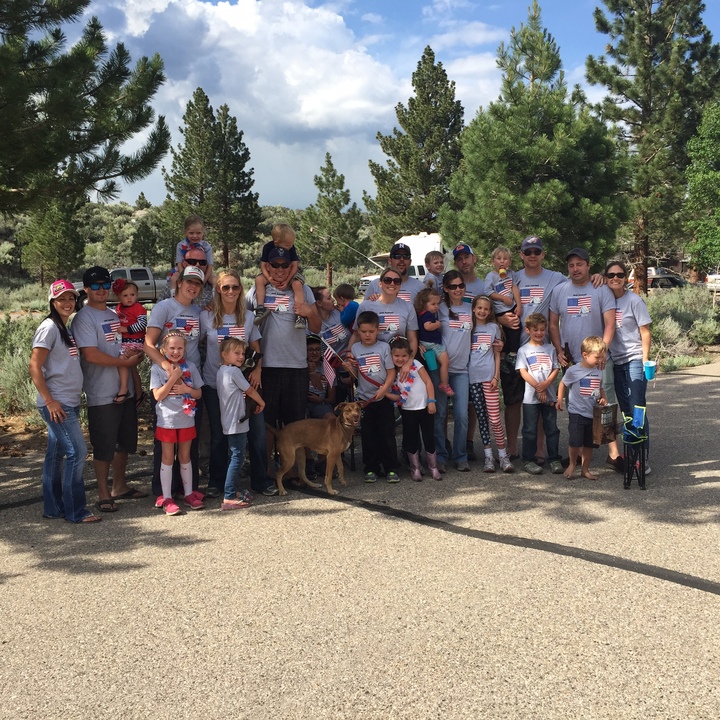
[[120, 398], [107, 505], [446, 389], [91, 519], [140, 400]]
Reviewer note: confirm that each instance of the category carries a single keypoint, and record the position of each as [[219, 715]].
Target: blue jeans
[[64, 491], [630, 387], [460, 383], [531, 413], [218, 440], [237, 444], [257, 450]]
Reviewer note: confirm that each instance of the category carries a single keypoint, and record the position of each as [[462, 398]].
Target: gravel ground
[[481, 596]]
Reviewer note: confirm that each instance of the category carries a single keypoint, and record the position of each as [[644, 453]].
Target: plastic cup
[[650, 367], [430, 359]]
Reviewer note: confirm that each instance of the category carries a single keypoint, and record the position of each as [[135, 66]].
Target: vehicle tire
[[81, 301]]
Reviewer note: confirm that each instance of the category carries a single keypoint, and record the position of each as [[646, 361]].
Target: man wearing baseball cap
[[112, 424], [400, 260], [465, 260]]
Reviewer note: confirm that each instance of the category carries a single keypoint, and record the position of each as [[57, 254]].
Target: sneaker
[[159, 500], [647, 467], [270, 490], [300, 322], [212, 492], [463, 467], [370, 477], [260, 312], [534, 469], [506, 464], [447, 389], [393, 477], [470, 451], [194, 501], [556, 467], [489, 465], [171, 507], [442, 468], [617, 464]]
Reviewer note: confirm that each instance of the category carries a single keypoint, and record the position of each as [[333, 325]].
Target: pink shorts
[[168, 435]]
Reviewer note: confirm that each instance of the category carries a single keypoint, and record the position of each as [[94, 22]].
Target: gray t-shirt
[[232, 386], [61, 369], [99, 329], [535, 292], [580, 308], [172, 315], [583, 386], [373, 361], [335, 333], [481, 367], [472, 289], [539, 361], [408, 290], [248, 332], [503, 286], [397, 318], [456, 335], [283, 345], [169, 411], [631, 314]]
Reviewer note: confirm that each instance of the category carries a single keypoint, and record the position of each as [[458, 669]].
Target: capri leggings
[[486, 400]]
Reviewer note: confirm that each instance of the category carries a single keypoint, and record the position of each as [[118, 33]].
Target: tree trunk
[[642, 248], [328, 276]]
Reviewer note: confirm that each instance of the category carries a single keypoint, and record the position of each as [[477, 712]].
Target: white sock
[[488, 453], [186, 477], [166, 480], [502, 452]]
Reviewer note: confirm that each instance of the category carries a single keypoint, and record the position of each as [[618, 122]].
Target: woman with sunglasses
[[228, 318], [397, 317], [630, 346], [456, 319]]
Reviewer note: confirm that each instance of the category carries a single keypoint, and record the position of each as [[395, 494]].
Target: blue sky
[[306, 78]]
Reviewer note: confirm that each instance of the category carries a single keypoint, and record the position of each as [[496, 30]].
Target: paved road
[[501, 596]]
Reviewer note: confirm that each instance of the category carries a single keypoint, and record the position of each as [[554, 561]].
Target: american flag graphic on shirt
[[73, 348], [230, 331], [279, 303], [110, 329], [618, 318], [187, 325], [532, 295], [504, 287], [579, 305], [589, 386], [370, 363], [538, 362], [462, 322], [334, 334], [405, 295], [389, 323], [479, 339]]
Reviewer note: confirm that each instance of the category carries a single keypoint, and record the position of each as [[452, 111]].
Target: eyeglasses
[[277, 266], [230, 288], [195, 261], [610, 276], [391, 281], [456, 286], [401, 256], [100, 286], [532, 251]]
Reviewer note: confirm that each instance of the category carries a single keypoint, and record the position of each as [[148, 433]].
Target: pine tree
[[66, 113], [422, 155], [536, 161], [660, 69], [329, 229]]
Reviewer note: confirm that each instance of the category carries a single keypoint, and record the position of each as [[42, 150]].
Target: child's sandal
[[446, 389]]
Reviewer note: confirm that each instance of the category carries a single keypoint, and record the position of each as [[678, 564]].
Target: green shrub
[[705, 331], [17, 392]]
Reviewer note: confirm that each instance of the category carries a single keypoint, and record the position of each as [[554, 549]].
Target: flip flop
[[141, 400], [106, 506], [120, 398], [91, 519], [131, 494]]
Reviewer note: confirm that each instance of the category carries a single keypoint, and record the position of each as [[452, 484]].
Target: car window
[[138, 274]]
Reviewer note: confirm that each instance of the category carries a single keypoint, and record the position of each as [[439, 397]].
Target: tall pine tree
[[422, 155], [660, 69], [66, 113], [536, 161]]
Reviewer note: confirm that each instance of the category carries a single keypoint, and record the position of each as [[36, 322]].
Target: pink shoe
[[446, 389], [159, 501], [171, 507], [194, 500]]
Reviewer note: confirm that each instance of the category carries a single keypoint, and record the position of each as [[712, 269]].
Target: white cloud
[[469, 34], [373, 18], [441, 8], [477, 81]]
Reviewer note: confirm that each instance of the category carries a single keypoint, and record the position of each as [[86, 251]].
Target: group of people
[[284, 351]]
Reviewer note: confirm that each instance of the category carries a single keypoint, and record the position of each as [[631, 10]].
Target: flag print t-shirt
[[247, 332], [171, 315], [373, 363], [539, 361], [456, 335], [481, 367], [584, 386], [396, 318], [61, 369]]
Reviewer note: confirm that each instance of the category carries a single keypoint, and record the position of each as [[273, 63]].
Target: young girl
[[232, 387], [415, 396], [484, 372], [177, 393], [133, 323], [427, 303], [194, 228]]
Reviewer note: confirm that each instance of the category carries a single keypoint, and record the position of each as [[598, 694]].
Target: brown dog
[[328, 436]]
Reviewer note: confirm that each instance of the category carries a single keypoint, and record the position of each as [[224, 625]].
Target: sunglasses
[[392, 281], [610, 276], [277, 266], [456, 286], [100, 286], [401, 256], [229, 288], [195, 261], [533, 251]]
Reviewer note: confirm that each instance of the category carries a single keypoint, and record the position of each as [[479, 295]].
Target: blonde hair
[[593, 344], [218, 312], [173, 334], [191, 220], [282, 231], [500, 250], [232, 343]]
